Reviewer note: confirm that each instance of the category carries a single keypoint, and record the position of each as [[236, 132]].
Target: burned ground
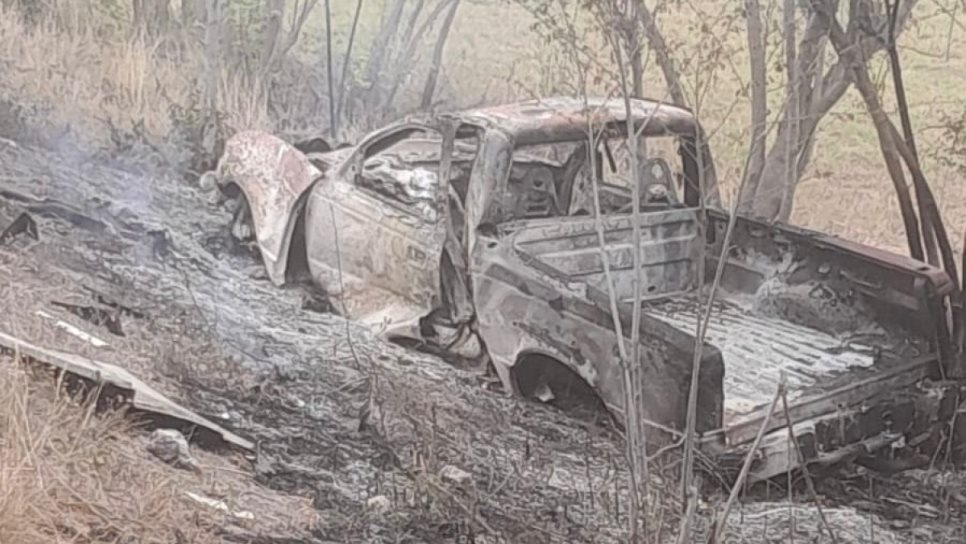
[[368, 432], [206, 331]]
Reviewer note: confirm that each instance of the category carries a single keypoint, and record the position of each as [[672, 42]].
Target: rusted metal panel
[[142, 396], [566, 118], [669, 247], [536, 308], [368, 253], [273, 175], [807, 406], [374, 237]]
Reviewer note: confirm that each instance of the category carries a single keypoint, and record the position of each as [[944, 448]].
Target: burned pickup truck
[[483, 235]]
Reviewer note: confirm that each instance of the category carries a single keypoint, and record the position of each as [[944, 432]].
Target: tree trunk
[[330, 79], [922, 196], [817, 93], [430, 89], [662, 54], [209, 132], [793, 98], [403, 60], [152, 18], [380, 46], [759, 105], [271, 33], [193, 17], [846, 49], [634, 49], [347, 63]]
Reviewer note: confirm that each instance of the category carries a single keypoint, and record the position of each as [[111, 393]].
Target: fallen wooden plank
[[143, 396]]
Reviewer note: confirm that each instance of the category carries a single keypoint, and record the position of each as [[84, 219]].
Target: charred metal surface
[[858, 286], [894, 425], [465, 232], [273, 175], [669, 247], [803, 354], [535, 312], [23, 224], [566, 119]]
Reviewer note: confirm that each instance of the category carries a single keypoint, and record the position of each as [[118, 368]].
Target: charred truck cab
[[479, 234]]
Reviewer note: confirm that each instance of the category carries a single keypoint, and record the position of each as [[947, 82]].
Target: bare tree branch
[[847, 51], [347, 61], [662, 54]]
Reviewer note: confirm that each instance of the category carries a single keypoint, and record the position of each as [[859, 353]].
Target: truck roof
[[567, 118]]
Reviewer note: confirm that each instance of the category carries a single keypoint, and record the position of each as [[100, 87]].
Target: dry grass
[[84, 78], [70, 475]]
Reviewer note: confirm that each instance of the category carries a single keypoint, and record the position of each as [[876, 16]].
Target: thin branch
[[722, 520], [333, 115], [635, 360], [592, 136], [804, 466], [846, 50]]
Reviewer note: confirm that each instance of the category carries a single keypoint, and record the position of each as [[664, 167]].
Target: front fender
[[274, 177]]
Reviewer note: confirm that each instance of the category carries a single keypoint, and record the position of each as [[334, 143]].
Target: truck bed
[[758, 348]]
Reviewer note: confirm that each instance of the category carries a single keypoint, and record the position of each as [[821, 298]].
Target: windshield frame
[[498, 143]]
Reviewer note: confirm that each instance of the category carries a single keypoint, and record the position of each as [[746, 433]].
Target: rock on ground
[[171, 447]]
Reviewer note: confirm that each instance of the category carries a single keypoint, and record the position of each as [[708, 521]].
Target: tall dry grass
[[75, 71], [68, 475]]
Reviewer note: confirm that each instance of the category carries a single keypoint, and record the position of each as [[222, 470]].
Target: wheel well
[[297, 267], [571, 392]]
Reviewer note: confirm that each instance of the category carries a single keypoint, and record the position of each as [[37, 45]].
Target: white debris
[[455, 475], [171, 447], [379, 503], [543, 392], [220, 505], [89, 338], [208, 181]]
